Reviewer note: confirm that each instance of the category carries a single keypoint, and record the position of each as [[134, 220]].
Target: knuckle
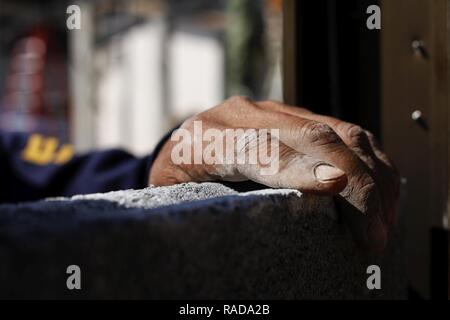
[[241, 104], [202, 118], [273, 104], [238, 100], [356, 138], [367, 185], [366, 189], [190, 122], [198, 117], [362, 187], [355, 131], [356, 134], [320, 133]]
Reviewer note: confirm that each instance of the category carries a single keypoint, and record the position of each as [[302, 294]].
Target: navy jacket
[[35, 166]]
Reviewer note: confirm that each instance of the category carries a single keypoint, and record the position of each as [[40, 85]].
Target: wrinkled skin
[[352, 166]]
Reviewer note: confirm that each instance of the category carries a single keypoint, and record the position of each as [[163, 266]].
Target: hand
[[317, 154]]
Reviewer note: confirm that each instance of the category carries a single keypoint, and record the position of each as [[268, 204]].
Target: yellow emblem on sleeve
[[42, 150]]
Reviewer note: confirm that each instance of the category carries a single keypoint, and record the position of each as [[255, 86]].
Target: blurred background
[[135, 69]]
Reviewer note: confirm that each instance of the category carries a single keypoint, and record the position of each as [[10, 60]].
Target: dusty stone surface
[[149, 198], [192, 241]]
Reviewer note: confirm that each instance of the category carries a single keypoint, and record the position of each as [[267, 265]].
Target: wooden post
[[415, 121]]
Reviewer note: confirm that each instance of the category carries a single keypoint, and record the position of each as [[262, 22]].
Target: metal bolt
[[418, 118], [416, 115], [418, 47]]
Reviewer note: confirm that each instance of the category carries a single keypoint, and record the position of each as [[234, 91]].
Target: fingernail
[[327, 173]]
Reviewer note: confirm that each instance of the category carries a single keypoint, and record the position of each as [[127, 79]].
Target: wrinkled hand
[[317, 154]]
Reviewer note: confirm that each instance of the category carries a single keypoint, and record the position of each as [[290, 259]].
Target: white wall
[[125, 79], [196, 73]]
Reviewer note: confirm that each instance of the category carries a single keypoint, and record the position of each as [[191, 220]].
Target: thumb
[[301, 172]]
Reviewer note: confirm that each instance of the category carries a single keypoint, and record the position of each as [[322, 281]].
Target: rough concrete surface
[[191, 241]]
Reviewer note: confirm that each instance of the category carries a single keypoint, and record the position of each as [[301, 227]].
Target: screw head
[[418, 47], [416, 115]]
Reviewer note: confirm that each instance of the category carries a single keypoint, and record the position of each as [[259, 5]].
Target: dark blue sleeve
[[34, 167]]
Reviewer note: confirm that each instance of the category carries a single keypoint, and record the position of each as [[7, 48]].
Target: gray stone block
[[190, 241]]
